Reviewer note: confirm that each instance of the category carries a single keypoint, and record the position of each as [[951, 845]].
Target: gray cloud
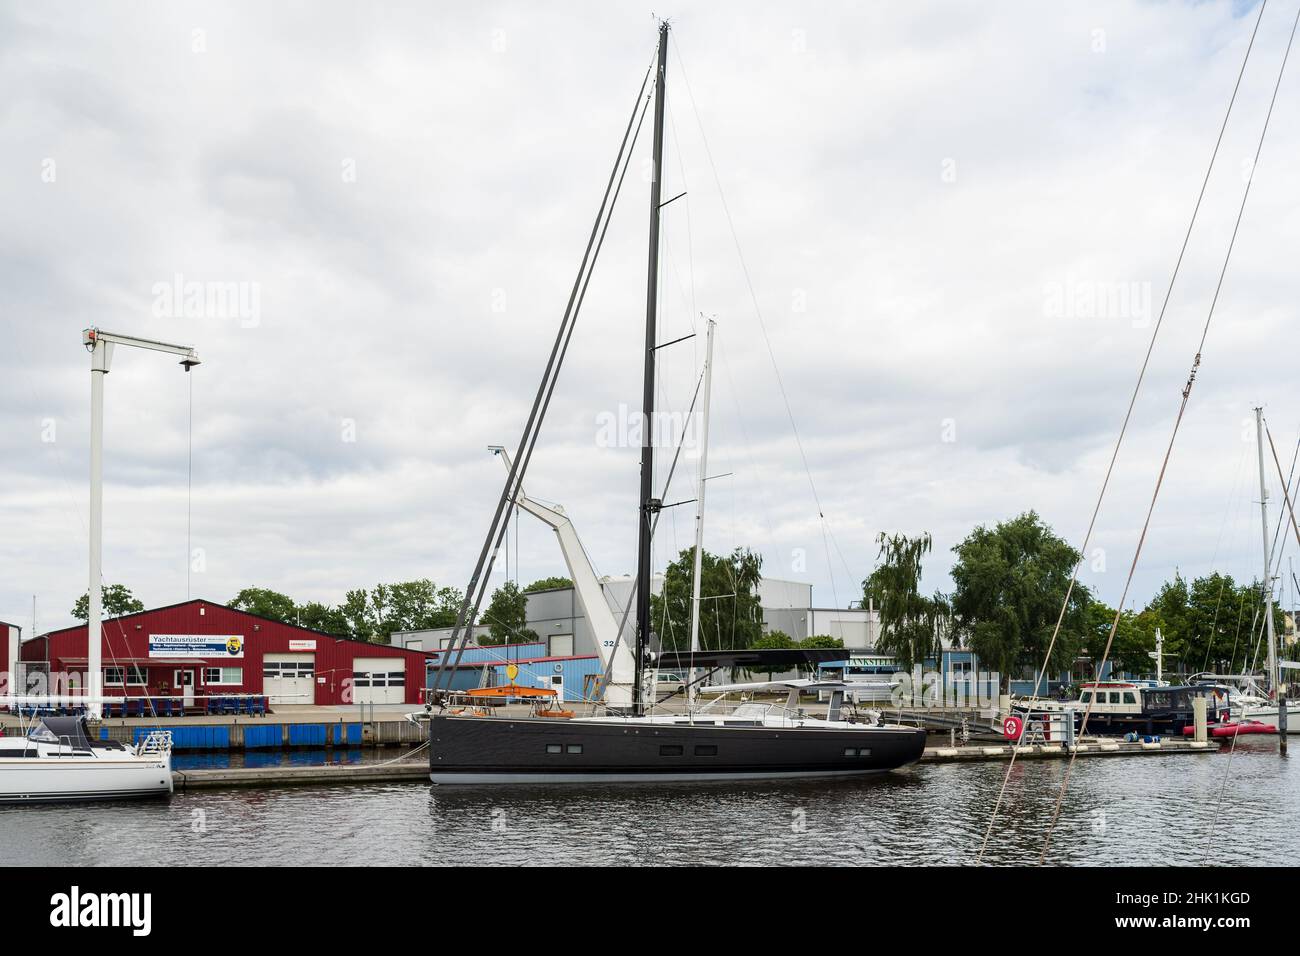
[[958, 220]]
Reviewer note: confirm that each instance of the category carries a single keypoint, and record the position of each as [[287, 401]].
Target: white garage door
[[289, 678], [379, 680]]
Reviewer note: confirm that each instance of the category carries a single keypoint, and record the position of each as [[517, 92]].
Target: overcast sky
[[959, 221]]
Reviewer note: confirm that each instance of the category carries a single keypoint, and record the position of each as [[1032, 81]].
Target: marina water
[[1131, 810]]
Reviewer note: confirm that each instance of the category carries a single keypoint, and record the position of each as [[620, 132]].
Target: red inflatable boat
[[1238, 729]]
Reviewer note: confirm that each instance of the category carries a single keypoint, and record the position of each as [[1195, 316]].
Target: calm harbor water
[[1138, 810]]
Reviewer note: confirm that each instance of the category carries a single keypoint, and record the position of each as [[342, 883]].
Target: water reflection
[[1137, 811]]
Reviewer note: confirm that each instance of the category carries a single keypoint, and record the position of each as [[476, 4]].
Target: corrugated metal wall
[[537, 673]]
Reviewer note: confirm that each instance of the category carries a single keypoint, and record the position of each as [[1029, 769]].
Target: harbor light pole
[[100, 346]]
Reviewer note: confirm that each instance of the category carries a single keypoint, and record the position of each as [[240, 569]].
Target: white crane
[[100, 346], [591, 596]]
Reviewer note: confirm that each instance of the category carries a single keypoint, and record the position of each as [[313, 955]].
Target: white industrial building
[[556, 616]]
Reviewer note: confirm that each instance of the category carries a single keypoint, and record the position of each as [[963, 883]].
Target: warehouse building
[[202, 649]]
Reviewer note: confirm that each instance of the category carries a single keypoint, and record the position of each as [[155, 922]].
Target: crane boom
[[100, 346], [590, 595]]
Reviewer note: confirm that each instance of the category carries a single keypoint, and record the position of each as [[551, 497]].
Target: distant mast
[[649, 505], [699, 512]]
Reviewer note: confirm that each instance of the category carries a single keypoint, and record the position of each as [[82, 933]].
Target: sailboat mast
[[1268, 562], [649, 505], [699, 510]]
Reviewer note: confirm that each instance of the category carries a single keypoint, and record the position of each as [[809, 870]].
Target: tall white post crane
[[614, 654], [100, 346]]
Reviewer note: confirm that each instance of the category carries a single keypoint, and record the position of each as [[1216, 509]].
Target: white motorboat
[[58, 761]]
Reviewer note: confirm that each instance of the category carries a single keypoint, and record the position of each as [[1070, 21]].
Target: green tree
[[117, 600], [730, 614], [1135, 638], [911, 624], [375, 614], [322, 617], [507, 617], [420, 605], [266, 603], [773, 641], [1010, 583], [365, 613], [546, 584], [821, 640], [1210, 622]]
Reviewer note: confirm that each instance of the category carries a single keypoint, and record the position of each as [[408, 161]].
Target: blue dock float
[[251, 736]]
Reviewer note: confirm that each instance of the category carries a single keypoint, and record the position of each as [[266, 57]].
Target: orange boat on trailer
[[539, 697]]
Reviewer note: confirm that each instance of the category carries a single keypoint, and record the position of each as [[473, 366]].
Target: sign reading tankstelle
[[196, 645]]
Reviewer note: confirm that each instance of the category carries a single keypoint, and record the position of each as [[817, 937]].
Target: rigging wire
[[1128, 414], [1187, 391], [827, 535], [541, 403]]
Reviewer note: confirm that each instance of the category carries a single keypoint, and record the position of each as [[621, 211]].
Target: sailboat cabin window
[[1130, 697], [554, 749], [670, 750], [706, 750], [574, 748], [1086, 697]]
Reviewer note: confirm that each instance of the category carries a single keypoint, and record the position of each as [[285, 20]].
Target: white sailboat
[[58, 760]]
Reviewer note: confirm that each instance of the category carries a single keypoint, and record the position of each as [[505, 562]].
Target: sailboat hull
[[481, 750], [48, 779]]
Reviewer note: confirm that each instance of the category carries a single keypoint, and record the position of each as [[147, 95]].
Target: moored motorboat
[[1141, 707]]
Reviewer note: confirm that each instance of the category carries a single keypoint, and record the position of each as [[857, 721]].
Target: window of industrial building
[[288, 669], [223, 675], [670, 750], [134, 675], [561, 645], [554, 749], [706, 750]]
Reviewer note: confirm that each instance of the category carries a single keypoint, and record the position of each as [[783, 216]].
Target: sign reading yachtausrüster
[[196, 645]]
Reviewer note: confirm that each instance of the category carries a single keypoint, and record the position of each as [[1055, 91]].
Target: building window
[[223, 675], [134, 674], [288, 668]]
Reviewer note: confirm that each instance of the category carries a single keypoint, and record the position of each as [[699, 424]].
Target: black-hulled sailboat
[[717, 741]]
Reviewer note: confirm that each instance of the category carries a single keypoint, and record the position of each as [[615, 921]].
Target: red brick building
[[201, 648]]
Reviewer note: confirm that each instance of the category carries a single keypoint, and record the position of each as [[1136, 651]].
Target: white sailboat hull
[[44, 779]]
